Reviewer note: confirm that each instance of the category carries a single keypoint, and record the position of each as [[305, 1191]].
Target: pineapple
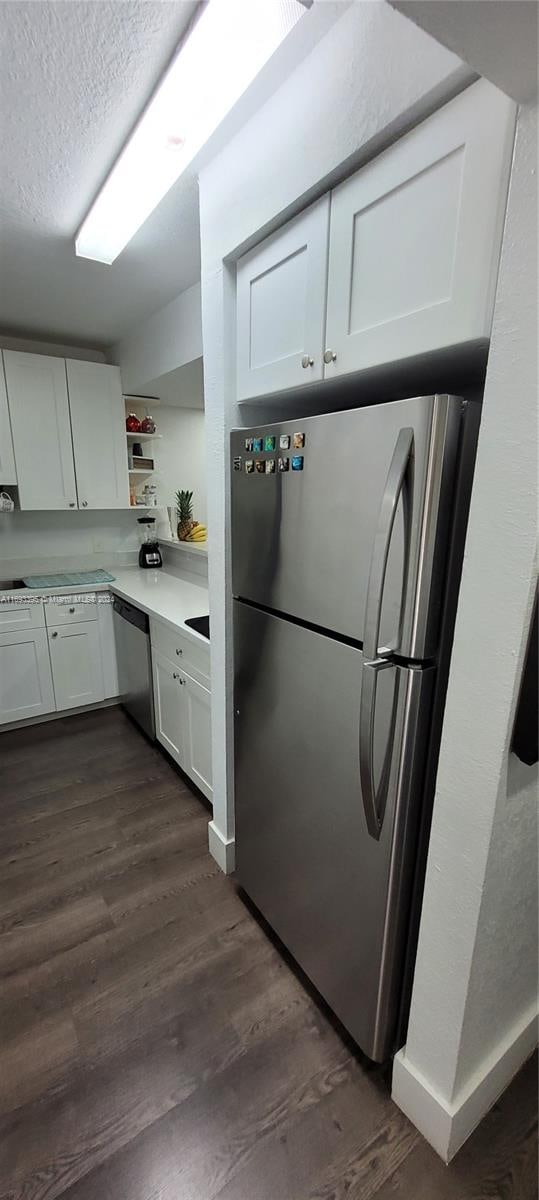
[[184, 509]]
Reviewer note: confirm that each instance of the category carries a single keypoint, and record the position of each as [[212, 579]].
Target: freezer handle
[[396, 476], [375, 660]]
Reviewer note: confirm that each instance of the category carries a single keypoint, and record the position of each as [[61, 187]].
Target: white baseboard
[[223, 850], [447, 1125]]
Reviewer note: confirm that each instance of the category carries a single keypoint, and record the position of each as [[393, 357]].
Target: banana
[[197, 534]]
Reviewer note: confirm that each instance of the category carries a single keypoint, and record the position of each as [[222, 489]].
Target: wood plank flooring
[[155, 1044]]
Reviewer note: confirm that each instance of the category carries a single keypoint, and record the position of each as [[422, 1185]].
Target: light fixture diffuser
[[228, 46]]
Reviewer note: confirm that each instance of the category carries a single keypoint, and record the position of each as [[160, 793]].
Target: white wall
[[499, 41], [474, 1002], [373, 75], [169, 338], [181, 456], [35, 542]]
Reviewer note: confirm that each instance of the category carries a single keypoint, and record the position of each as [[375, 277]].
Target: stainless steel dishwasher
[[132, 635]]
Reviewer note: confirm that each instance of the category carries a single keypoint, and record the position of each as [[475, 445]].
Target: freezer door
[[337, 897], [354, 539]]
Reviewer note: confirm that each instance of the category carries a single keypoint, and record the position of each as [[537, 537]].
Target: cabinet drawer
[[192, 656], [63, 610], [26, 614]]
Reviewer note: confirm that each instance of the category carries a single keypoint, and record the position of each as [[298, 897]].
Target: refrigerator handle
[[374, 801], [398, 470], [374, 661]]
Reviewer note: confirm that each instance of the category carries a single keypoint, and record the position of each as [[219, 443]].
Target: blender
[[149, 554]]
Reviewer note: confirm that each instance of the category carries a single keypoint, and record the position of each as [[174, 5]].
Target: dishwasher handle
[[134, 615]]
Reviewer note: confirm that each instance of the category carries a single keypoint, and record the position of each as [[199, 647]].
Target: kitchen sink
[[200, 625]]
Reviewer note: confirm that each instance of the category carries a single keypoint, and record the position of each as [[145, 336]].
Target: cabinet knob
[[179, 651], [72, 610], [175, 675], [182, 681], [329, 356], [307, 361], [71, 503], [54, 633], [85, 502]]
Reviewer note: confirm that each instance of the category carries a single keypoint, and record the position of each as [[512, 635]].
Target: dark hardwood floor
[[155, 1045]]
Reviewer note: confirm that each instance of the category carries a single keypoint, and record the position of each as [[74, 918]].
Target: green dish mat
[[74, 579]]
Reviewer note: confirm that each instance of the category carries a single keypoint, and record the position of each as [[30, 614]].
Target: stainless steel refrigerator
[[341, 532]]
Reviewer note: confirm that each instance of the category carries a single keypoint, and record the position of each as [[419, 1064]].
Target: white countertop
[[161, 595], [157, 593]]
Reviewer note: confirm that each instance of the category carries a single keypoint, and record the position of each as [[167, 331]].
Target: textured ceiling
[[73, 79]]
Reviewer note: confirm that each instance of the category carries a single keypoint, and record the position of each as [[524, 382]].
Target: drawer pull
[[179, 651], [72, 610], [54, 633]]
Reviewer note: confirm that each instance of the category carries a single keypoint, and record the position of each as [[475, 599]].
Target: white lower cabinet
[[183, 719], [167, 695], [26, 688], [109, 662], [75, 655], [197, 733]]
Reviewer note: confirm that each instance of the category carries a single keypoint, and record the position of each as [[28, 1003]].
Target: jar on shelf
[[147, 425]]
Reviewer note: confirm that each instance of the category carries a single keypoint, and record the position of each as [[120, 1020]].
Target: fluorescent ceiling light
[[230, 43]]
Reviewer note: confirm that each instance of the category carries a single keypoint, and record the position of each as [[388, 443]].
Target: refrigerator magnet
[[284, 441], [258, 445], [299, 441], [237, 463], [297, 462], [260, 466], [249, 445], [270, 466], [284, 464], [249, 466], [269, 444]]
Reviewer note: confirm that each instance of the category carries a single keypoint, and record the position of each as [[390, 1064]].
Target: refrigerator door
[[354, 539], [337, 897]]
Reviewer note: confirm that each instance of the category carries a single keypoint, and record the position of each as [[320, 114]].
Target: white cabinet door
[[197, 725], [25, 675], [281, 300], [107, 643], [415, 237], [99, 441], [168, 704], [8, 473], [41, 428], [76, 664]]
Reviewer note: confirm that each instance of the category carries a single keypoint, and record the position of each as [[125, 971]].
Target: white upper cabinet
[[99, 444], [281, 303], [39, 411], [413, 244], [415, 237], [8, 473]]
